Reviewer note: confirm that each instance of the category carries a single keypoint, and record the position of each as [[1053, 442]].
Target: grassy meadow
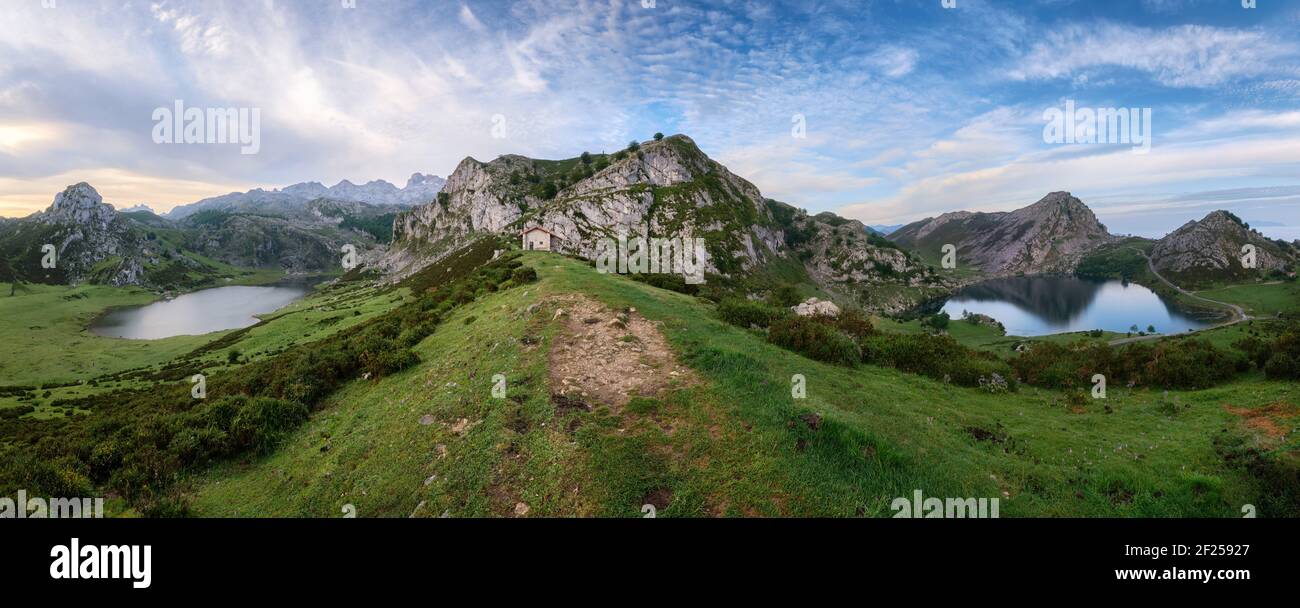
[[731, 441]]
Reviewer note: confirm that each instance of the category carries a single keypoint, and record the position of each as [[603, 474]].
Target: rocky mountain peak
[[1051, 235], [1212, 248], [663, 188], [420, 179], [80, 204]]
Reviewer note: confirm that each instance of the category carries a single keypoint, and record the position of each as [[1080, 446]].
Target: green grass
[[45, 338], [731, 443], [47, 343], [1259, 299], [986, 337]]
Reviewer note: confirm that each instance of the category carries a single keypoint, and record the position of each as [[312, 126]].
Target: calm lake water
[[1037, 306], [197, 313]]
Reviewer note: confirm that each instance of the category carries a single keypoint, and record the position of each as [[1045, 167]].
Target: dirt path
[[1238, 313], [606, 356]]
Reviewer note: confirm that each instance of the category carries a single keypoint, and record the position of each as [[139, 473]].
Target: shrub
[[938, 357], [1279, 357], [746, 313], [388, 362], [262, 423], [669, 281], [1188, 364], [936, 321], [815, 339], [523, 274], [855, 324], [784, 296]]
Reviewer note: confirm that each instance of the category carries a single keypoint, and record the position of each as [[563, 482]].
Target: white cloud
[[1180, 56], [468, 18]]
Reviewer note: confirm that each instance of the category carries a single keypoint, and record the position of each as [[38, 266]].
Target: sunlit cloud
[[909, 112]]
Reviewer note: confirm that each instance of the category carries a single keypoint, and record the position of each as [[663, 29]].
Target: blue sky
[[911, 109]]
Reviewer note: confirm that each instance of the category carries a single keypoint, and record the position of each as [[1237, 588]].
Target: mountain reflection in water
[[1041, 305]]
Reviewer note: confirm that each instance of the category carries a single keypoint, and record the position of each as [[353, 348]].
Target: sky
[[886, 111]]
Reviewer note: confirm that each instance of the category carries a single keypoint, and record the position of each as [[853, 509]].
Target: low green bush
[[815, 339], [938, 357], [523, 274], [748, 313], [1171, 364]]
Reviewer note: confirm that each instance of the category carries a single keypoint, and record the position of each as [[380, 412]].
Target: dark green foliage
[[936, 321], [136, 443], [747, 313], [659, 136], [1176, 364], [1276, 471], [1119, 262], [938, 357], [855, 324], [523, 274], [784, 296], [1279, 357], [260, 423], [669, 281], [816, 339], [379, 226]]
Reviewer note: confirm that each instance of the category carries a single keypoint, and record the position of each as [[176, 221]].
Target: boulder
[[815, 307]]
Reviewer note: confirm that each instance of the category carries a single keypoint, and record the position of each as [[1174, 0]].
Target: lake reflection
[[197, 313], [1041, 305]]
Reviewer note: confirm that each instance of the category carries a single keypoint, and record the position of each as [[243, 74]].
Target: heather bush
[[1178, 364], [747, 313], [815, 338], [938, 357]]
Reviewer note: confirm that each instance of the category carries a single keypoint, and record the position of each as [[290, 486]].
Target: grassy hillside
[[1259, 299], [725, 437], [50, 350]]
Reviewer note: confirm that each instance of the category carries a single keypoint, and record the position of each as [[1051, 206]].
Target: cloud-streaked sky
[[911, 109]]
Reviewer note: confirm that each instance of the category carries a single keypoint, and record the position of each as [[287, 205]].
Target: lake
[[1041, 305], [197, 313]]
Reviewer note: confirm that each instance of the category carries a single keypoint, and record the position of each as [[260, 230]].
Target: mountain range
[[420, 188], [662, 188]]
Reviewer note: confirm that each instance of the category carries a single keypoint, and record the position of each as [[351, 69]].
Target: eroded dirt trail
[[607, 356]]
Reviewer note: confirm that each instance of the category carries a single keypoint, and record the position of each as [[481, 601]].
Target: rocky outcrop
[[845, 258], [1051, 235], [1212, 249], [92, 242], [837, 250], [814, 307], [667, 189]]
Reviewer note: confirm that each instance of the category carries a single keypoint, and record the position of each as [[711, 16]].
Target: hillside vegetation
[[727, 438]]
